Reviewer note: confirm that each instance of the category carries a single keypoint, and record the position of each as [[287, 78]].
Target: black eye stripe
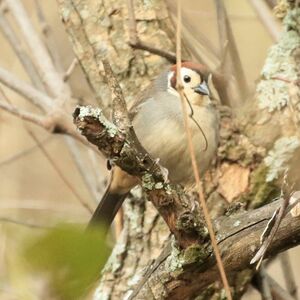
[[186, 78]]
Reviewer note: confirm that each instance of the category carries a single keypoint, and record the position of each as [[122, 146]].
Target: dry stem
[[193, 158]]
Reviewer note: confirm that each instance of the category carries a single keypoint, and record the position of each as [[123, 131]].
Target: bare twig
[[288, 275], [22, 55], [28, 204], [277, 291], [273, 225], [22, 153], [61, 174], [33, 95], [22, 223], [51, 78], [226, 36], [261, 282], [267, 18], [24, 115], [48, 37], [133, 37], [135, 42], [170, 56], [193, 158], [119, 110], [70, 70], [84, 172]]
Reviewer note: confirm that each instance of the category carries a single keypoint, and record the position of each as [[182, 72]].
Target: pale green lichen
[[159, 185], [260, 191], [173, 262], [278, 157], [89, 111], [113, 263], [292, 20], [181, 258], [270, 98], [279, 63], [148, 182], [99, 294]]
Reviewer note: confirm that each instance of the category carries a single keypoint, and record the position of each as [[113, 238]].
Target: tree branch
[[136, 43], [33, 95], [234, 63], [238, 237], [24, 115], [13, 40], [267, 18], [51, 78]]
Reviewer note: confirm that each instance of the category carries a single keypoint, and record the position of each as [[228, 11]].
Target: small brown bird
[[157, 119]]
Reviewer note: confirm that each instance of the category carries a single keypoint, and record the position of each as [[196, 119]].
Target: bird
[[158, 121]]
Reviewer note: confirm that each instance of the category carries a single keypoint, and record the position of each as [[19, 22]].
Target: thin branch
[[71, 69], [277, 291], [25, 224], [226, 36], [133, 37], [135, 42], [61, 174], [289, 277], [119, 110], [193, 158], [261, 283], [22, 153], [201, 47], [267, 18], [33, 95], [51, 78], [27, 204], [24, 115], [271, 229], [84, 172], [48, 37], [22, 55], [170, 56]]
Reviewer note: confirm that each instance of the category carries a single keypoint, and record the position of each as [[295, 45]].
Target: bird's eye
[[186, 78]]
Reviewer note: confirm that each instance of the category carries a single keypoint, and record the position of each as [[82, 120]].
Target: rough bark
[[256, 146]]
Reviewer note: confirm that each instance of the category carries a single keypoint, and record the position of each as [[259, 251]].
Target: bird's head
[[194, 79]]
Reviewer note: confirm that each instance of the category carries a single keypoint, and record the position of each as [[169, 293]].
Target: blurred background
[[43, 185]]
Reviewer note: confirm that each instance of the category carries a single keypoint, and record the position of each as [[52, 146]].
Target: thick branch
[[238, 238]]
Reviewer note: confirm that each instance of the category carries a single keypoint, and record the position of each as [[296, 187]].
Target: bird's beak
[[202, 89]]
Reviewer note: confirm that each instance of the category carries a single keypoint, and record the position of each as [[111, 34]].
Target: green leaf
[[71, 257]]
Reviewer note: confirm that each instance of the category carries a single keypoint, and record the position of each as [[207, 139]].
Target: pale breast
[[159, 127]]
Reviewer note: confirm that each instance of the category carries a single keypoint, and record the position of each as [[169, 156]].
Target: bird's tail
[[107, 209]]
